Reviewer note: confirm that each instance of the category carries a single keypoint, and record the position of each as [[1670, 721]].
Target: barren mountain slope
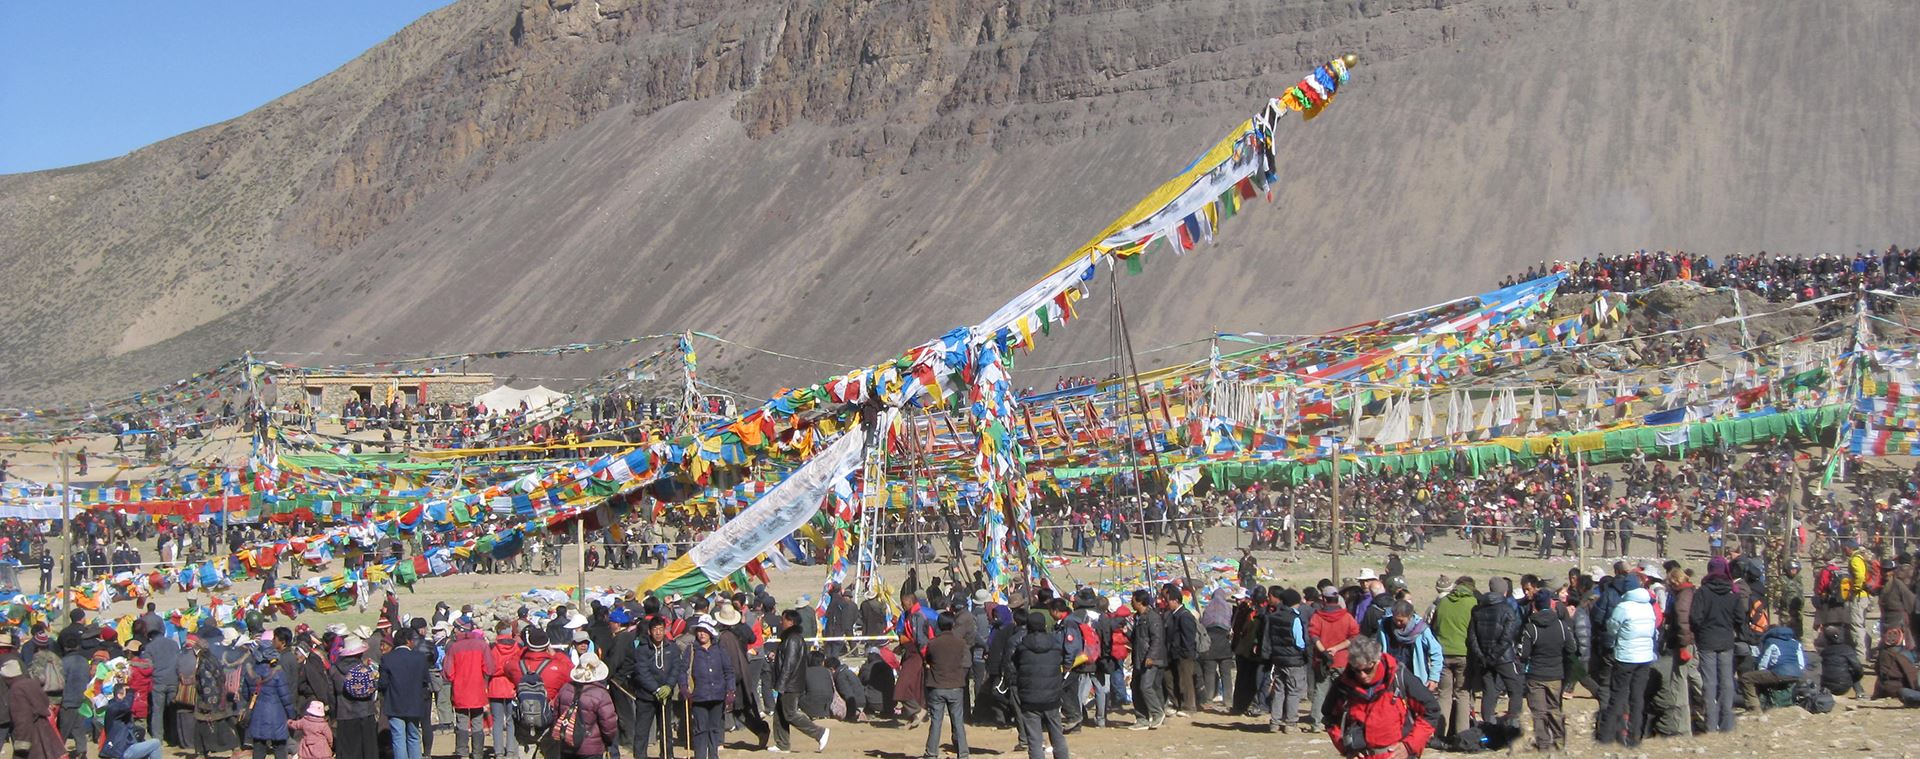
[[842, 179]]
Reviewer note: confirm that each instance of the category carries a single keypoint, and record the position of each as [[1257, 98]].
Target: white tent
[[541, 397], [501, 398]]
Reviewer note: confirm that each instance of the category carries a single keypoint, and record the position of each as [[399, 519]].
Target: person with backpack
[[585, 723], [1088, 661], [538, 677], [1376, 709], [1038, 663], [1493, 634], [267, 704], [1868, 576], [356, 687], [1782, 662], [1284, 643], [1716, 616], [1546, 654], [215, 706]]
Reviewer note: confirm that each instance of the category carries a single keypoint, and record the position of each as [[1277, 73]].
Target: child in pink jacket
[[316, 738]]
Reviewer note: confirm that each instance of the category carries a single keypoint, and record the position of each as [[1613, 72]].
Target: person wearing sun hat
[[316, 737], [354, 717], [709, 683], [27, 697], [598, 724]]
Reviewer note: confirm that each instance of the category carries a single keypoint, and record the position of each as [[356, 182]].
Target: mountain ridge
[[844, 179]]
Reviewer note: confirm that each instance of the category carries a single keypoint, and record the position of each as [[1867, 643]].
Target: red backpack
[[1118, 647]]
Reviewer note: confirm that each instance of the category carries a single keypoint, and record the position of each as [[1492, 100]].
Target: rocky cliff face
[[843, 178]]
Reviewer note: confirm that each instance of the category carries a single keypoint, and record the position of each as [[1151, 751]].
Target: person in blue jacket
[[264, 687], [1411, 641], [123, 742], [1783, 661], [707, 686]]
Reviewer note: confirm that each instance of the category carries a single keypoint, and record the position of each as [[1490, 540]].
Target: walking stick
[[666, 729]]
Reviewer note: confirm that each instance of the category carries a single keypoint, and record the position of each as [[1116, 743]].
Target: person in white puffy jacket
[[1633, 627]]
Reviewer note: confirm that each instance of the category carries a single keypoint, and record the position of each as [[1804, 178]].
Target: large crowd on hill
[[1777, 278]]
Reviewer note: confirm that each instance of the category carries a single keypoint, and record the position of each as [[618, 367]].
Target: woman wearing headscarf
[[1216, 665]]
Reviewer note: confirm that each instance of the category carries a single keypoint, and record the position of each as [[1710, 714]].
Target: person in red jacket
[[1330, 631], [468, 660], [139, 679], [1376, 709], [503, 675]]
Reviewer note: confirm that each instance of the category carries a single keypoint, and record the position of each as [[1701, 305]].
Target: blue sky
[[82, 82]]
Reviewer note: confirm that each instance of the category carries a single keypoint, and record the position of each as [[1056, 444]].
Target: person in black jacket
[[1247, 660], [404, 690], [1547, 651], [790, 684], [653, 668], [618, 656], [1183, 650], [1039, 665], [1718, 613], [1283, 642], [1493, 636], [1149, 644], [1840, 669]]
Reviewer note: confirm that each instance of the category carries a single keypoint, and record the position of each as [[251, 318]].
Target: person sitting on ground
[[1783, 661], [1895, 675], [1840, 668]]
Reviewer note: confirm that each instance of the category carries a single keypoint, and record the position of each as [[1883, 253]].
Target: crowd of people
[[1777, 278], [615, 416], [1664, 648]]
